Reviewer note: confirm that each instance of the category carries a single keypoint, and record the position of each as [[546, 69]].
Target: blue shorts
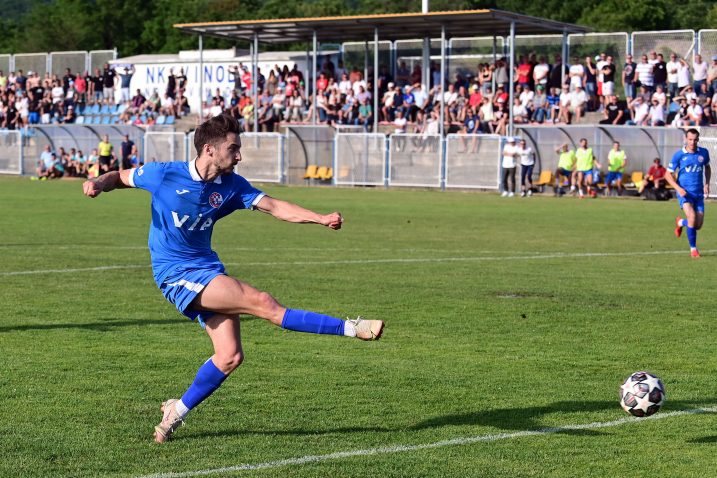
[[182, 285], [613, 176], [698, 202], [564, 172], [587, 172]]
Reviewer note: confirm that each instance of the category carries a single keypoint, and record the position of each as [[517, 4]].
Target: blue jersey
[[184, 211], [690, 169]]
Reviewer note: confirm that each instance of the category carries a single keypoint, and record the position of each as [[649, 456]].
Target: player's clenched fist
[[334, 220], [91, 189]]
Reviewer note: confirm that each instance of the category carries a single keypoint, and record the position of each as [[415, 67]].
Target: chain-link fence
[[36, 62], [538, 45], [164, 147], [465, 54], [5, 63], [262, 155], [681, 42], [97, 58], [360, 55], [11, 152], [360, 159], [415, 160], [708, 44], [76, 61], [472, 161]]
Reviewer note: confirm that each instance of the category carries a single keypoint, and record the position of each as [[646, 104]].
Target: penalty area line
[[394, 260], [439, 444]]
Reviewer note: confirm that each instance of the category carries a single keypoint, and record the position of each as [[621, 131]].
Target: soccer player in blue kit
[[692, 165], [187, 200]]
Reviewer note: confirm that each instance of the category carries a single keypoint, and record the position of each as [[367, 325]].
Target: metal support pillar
[[442, 144], [200, 110], [255, 81], [565, 54], [313, 81], [511, 73], [375, 80]]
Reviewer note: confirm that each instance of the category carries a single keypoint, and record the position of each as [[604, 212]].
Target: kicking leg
[[692, 222], [227, 295]]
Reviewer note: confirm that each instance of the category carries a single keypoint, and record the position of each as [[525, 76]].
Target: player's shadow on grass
[[102, 326], [709, 439], [530, 418]]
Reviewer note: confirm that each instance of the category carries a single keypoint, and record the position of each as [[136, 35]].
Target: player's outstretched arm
[[290, 212], [106, 183]]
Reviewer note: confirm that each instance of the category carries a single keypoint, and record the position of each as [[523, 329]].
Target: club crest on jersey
[[215, 200], [701, 159]]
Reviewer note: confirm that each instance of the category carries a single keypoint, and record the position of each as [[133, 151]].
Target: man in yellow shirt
[[616, 163], [566, 168], [584, 162], [105, 149]]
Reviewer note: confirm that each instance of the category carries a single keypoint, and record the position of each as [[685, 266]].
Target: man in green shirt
[[616, 162], [584, 162], [566, 168]]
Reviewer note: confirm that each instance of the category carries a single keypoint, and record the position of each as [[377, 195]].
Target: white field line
[[417, 260], [439, 444]]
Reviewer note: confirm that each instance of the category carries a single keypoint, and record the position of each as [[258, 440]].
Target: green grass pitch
[[504, 315]]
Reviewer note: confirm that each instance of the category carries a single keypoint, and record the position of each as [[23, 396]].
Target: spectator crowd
[[652, 92]]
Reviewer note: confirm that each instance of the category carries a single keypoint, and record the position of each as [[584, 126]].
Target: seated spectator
[[694, 113], [614, 113], [399, 124], [520, 112], [564, 105], [387, 110], [45, 162], [70, 116], [295, 107], [486, 115], [365, 115], [660, 96], [553, 99], [655, 177], [578, 103], [656, 114], [639, 111], [539, 106]]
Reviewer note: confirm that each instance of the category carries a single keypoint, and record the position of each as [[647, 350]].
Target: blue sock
[[683, 222], [305, 321], [692, 236], [208, 379]]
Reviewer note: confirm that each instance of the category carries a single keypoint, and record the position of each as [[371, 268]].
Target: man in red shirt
[[81, 88], [655, 176]]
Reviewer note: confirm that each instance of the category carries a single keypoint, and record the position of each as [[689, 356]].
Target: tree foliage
[[139, 26]]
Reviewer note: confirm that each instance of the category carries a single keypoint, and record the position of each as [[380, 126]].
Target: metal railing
[[415, 160], [11, 161], [473, 161], [360, 159]]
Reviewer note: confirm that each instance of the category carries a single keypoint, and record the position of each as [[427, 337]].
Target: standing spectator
[[527, 163], [68, 79], [540, 73], [171, 90], [699, 75], [108, 83], [590, 83], [577, 74], [81, 88], [3, 81], [712, 76], [555, 79], [105, 149], [403, 75], [126, 150], [501, 74], [21, 81], [97, 85], [672, 67], [644, 72], [683, 76], [659, 72], [600, 62], [608, 81], [628, 77], [181, 81], [510, 151], [522, 72], [125, 80]]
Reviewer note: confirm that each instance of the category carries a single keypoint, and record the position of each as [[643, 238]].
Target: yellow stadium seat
[[326, 173], [311, 172], [545, 179], [321, 172]]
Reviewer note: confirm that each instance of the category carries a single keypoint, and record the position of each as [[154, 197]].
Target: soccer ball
[[642, 394]]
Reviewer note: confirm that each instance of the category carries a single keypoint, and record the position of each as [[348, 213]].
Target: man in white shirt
[[564, 105], [644, 74], [527, 163], [673, 67], [510, 151], [656, 114], [399, 129], [578, 100], [699, 74], [694, 113], [540, 72], [683, 75], [640, 111], [712, 74], [344, 84], [577, 74]]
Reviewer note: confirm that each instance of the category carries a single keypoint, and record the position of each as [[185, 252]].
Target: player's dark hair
[[693, 131], [214, 131]]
